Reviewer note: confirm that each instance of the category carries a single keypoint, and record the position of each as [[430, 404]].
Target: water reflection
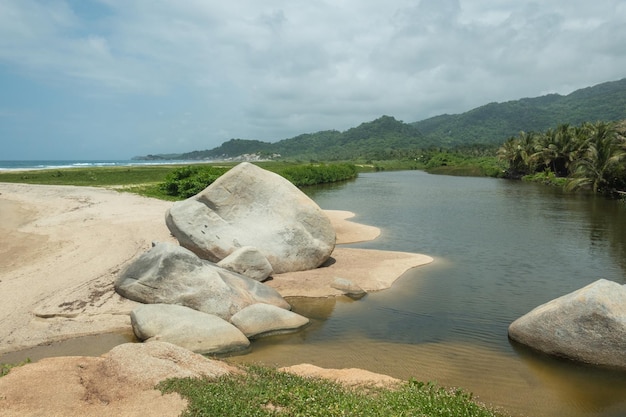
[[501, 249]]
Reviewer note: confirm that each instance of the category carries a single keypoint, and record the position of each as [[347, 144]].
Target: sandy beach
[[61, 249]]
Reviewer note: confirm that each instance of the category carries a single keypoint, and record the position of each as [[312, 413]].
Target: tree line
[[589, 156]]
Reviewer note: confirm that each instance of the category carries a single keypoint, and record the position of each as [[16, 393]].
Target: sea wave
[[53, 164]]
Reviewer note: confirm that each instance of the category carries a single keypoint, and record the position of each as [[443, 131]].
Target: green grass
[[264, 391], [98, 176], [163, 182], [143, 180], [546, 177]]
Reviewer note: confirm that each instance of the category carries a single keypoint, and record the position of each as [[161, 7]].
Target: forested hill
[[386, 137], [383, 138], [495, 122]]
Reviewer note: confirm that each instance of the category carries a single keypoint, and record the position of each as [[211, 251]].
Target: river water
[[501, 248]]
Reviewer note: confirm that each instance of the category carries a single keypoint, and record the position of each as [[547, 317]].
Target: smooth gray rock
[[187, 328], [248, 261], [249, 206], [587, 325], [260, 320], [348, 287], [171, 274]]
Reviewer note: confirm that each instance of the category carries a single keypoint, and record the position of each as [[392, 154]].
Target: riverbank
[[61, 248]]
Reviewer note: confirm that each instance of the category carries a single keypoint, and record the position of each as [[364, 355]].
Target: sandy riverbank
[[61, 248]]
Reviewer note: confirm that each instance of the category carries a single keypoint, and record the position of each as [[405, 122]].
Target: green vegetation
[[476, 162], [389, 139], [93, 176], [303, 175], [6, 367], [189, 180], [383, 138], [174, 182], [262, 391], [490, 123], [143, 180], [588, 156]]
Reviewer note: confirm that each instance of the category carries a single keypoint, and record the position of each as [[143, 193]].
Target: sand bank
[[61, 248]]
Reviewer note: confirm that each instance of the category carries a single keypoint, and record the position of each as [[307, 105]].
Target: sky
[[113, 79]]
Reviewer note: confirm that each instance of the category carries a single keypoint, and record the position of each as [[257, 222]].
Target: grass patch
[[175, 182], [93, 176], [5, 368], [546, 177], [263, 391]]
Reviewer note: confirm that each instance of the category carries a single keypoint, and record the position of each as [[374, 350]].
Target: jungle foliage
[[490, 123], [588, 156]]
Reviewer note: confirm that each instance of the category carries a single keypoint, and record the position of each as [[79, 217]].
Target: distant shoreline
[[30, 165]]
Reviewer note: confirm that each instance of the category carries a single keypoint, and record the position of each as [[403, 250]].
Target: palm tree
[[558, 149], [601, 161], [518, 151]]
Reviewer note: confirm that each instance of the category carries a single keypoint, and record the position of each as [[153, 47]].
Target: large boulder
[[249, 206], [170, 274], [260, 320], [187, 328], [587, 325]]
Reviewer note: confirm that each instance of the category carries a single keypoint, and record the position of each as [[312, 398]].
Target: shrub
[[303, 175], [187, 181]]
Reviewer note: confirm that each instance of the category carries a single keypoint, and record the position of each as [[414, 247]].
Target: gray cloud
[[178, 76]]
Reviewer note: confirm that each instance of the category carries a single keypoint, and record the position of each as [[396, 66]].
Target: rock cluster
[[171, 274], [207, 294], [196, 304], [587, 325]]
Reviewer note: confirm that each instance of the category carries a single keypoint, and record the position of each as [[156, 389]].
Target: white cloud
[[274, 69]]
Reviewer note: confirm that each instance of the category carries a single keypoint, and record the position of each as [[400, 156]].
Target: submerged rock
[[170, 274], [587, 325], [260, 320], [187, 328], [349, 288], [249, 206]]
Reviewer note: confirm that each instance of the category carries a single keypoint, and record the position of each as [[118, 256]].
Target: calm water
[[501, 249]]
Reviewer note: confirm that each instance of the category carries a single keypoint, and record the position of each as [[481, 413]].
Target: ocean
[[52, 164]]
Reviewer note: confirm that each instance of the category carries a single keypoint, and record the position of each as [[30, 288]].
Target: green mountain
[[495, 122], [382, 138], [386, 137]]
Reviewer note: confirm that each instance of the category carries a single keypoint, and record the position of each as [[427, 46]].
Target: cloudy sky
[[111, 79]]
